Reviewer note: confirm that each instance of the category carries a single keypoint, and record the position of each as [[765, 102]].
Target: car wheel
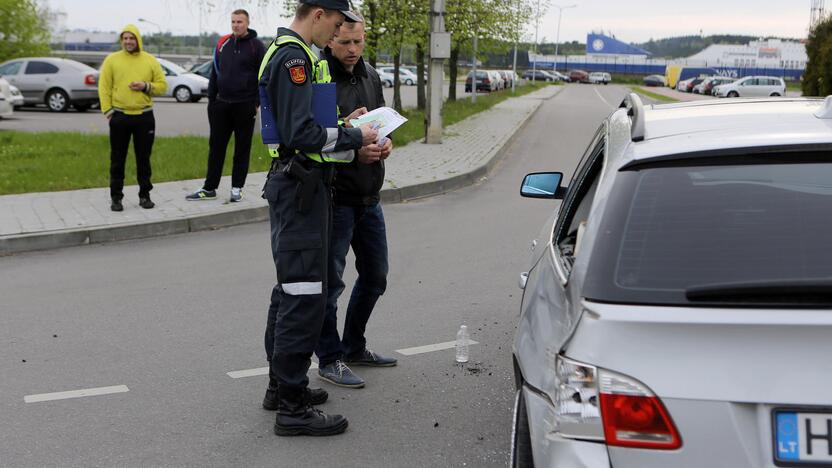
[[388, 84], [408, 82], [57, 101], [733, 94], [521, 441], [81, 107], [182, 94], [775, 94]]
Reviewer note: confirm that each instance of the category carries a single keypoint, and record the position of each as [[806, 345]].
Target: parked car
[[203, 69], [56, 82], [406, 76], [182, 84], [413, 69], [506, 75], [560, 76], [709, 85], [578, 76], [485, 81], [690, 85], [600, 78], [386, 78], [655, 80], [6, 107], [16, 97], [497, 79], [682, 85], [753, 86], [662, 322], [537, 75]]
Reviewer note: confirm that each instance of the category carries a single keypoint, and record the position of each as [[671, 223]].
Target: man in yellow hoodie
[[126, 83]]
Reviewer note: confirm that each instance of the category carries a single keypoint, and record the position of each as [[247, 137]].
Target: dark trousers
[[300, 244], [363, 228], [142, 129], [224, 119]]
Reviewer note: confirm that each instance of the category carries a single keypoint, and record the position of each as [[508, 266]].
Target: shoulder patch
[[298, 74], [294, 62]]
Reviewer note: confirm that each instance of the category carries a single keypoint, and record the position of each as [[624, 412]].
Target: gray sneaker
[[371, 359], [338, 373], [236, 194], [202, 194]]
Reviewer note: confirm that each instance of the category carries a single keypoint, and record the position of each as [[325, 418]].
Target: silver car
[[58, 83], [183, 85], [752, 86], [678, 307]]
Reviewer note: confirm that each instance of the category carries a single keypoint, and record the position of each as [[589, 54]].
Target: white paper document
[[385, 118]]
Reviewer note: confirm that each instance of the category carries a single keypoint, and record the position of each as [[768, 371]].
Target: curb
[[96, 235]]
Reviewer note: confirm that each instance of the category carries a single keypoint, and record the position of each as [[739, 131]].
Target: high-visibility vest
[[321, 74]]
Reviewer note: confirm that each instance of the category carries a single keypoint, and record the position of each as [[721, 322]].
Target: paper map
[[386, 118]]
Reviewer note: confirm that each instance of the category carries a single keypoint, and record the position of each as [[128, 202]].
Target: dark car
[[692, 84], [578, 76], [654, 80], [483, 81], [202, 69], [537, 75]]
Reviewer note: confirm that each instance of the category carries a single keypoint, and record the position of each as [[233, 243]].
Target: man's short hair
[[304, 9], [240, 11]]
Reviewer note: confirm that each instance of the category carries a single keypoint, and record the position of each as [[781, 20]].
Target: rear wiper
[[801, 291]]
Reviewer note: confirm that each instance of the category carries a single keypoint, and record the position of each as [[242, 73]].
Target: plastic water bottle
[[462, 344]]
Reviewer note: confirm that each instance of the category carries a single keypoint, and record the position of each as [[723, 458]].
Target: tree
[[817, 79], [23, 30]]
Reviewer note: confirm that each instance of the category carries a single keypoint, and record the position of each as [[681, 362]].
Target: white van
[[752, 86]]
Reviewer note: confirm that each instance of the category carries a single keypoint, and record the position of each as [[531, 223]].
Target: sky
[[629, 20]]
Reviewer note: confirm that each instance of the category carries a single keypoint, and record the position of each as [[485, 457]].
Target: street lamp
[[142, 20], [557, 35]]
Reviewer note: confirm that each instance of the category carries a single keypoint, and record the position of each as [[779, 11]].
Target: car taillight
[[90, 80], [597, 404], [633, 416]]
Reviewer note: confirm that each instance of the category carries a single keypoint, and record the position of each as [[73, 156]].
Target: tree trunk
[[372, 33], [420, 77], [397, 94], [452, 73]]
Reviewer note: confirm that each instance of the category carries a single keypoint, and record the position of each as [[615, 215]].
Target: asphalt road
[[172, 118], [169, 317]]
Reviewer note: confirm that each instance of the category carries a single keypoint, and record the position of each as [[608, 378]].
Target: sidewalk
[[37, 221]]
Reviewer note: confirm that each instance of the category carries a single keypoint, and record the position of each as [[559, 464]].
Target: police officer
[[298, 191]]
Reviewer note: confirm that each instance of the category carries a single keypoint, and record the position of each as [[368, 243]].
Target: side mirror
[[543, 185]]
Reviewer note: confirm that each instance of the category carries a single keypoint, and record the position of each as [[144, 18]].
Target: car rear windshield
[[671, 230]]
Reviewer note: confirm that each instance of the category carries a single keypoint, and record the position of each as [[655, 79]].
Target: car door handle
[[524, 278]]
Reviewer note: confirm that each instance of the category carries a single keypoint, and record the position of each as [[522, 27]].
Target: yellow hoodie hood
[[131, 28]]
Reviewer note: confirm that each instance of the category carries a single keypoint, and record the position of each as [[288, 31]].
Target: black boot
[[317, 396], [296, 416]]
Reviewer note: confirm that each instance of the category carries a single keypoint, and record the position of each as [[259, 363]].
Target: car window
[[10, 68], [670, 229], [581, 192], [36, 67], [168, 71]]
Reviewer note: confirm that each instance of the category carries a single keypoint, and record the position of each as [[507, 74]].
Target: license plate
[[802, 438]]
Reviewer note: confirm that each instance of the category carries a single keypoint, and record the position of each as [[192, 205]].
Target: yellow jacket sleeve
[[105, 87], [159, 84]]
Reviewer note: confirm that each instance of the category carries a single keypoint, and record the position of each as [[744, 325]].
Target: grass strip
[[654, 96], [56, 161]]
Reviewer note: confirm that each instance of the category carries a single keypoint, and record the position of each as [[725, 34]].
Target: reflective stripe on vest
[[320, 75]]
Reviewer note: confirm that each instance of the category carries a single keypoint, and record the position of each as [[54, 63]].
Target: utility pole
[[474, 73], [536, 26], [439, 50], [557, 35]]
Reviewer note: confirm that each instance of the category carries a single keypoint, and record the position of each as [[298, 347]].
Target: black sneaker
[[371, 359], [116, 205], [145, 203], [202, 194], [317, 396]]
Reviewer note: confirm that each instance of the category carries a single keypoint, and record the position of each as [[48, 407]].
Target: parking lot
[[172, 118]]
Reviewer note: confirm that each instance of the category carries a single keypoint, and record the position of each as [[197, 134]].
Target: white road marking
[[75, 394], [431, 348], [258, 371], [602, 97]]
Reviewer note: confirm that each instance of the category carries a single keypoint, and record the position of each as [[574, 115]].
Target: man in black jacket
[[232, 105], [358, 220]]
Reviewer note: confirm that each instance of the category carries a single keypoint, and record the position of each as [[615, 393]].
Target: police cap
[[340, 5]]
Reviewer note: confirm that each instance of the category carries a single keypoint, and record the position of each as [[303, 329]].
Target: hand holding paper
[[385, 118]]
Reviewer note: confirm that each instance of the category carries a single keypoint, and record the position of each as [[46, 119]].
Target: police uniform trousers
[[300, 243]]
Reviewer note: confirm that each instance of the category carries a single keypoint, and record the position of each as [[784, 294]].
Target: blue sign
[[788, 443], [601, 44]]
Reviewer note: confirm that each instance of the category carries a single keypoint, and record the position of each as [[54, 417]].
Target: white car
[[677, 307], [182, 84], [6, 107], [17, 97], [496, 78], [753, 86], [406, 76], [600, 78], [386, 78], [682, 85]]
